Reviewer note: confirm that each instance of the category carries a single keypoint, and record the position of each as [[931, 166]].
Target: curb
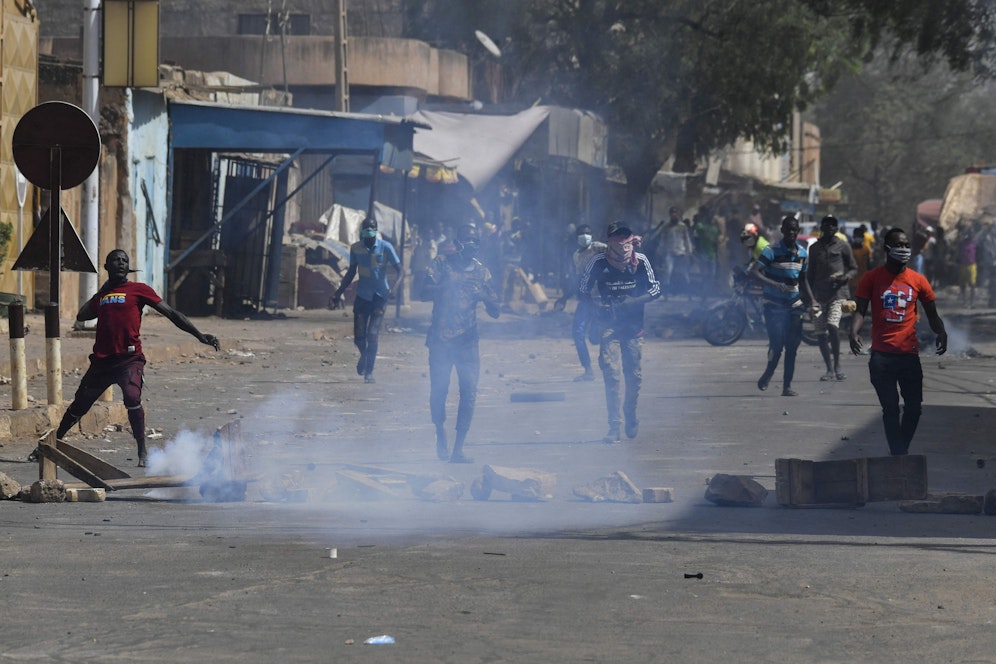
[[26, 426]]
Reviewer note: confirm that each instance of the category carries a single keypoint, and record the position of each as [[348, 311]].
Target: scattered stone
[[437, 489], [735, 491], [522, 483], [658, 495], [615, 488], [9, 489], [952, 503], [480, 490], [47, 491]]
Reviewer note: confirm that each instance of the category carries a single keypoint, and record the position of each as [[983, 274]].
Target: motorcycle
[[725, 322]]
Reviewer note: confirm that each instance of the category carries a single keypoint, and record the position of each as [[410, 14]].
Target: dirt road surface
[[168, 577]]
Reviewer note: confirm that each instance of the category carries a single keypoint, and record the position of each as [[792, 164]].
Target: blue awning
[[230, 128]]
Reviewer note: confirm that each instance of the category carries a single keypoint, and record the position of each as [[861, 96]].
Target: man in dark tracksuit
[[625, 282], [455, 282]]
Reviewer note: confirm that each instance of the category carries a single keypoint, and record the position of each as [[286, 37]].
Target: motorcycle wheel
[[724, 325]]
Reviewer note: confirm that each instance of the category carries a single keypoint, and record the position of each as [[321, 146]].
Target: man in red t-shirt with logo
[[894, 290], [117, 352]]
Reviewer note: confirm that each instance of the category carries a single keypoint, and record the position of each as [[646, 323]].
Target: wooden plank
[[94, 464], [843, 481], [149, 482], [897, 477], [72, 467], [794, 482], [367, 487], [821, 484]]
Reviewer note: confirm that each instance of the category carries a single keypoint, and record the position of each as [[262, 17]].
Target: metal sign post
[[56, 146]]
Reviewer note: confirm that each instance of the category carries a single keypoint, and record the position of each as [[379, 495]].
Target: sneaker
[[762, 382], [368, 378], [612, 437], [142, 460], [828, 376], [442, 451], [632, 429], [586, 377], [458, 457], [361, 365], [840, 376], [34, 456], [789, 392]]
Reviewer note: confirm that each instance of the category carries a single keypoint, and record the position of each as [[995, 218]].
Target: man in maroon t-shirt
[[117, 352]]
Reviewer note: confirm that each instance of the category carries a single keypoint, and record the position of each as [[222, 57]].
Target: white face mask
[[584, 240], [900, 254]]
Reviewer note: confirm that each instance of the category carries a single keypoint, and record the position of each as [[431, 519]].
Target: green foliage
[[680, 78], [6, 235], [895, 135]]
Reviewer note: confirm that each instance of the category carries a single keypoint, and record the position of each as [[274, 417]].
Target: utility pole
[[341, 51]]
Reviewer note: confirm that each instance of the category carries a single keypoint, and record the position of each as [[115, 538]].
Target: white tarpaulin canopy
[[476, 145], [970, 197]]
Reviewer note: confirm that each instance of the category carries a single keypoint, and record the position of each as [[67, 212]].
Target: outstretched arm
[[184, 324]]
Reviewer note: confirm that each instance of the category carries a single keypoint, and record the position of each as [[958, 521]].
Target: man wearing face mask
[[369, 257], [455, 283], [585, 251], [625, 282], [893, 291]]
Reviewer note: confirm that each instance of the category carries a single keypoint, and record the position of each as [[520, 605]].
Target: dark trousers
[[619, 357], [463, 354], [887, 370], [128, 373], [368, 316], [784, 325], [579, 330]]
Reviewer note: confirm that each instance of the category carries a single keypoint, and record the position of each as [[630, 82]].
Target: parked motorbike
[[725, 322]]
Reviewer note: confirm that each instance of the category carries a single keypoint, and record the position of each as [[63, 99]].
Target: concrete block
[[89, 495], [9, 489], [615, 488], [526, 483], [952, 503], [47, 491], [658, 495]]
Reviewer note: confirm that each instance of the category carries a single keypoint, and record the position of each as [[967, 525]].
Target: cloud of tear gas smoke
[[184, 455]]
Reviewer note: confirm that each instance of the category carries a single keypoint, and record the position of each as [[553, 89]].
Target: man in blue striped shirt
[[781, 270]]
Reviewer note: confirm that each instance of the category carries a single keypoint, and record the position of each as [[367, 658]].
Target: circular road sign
[[56, 124]]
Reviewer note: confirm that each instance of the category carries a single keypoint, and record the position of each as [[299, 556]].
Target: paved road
[[140, 578]]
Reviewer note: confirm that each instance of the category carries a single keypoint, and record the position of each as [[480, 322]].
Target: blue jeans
[[579, 330], [784, 325], [887, 370], [368, 316]]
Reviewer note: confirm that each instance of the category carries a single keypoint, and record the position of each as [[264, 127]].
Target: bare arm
[[857, 321], [936, 326], [184, 324]]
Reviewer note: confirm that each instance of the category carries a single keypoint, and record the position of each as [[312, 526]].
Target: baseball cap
[[618, 228]]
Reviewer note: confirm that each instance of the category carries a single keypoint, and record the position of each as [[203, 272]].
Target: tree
[[894, 135], [677, 79]]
